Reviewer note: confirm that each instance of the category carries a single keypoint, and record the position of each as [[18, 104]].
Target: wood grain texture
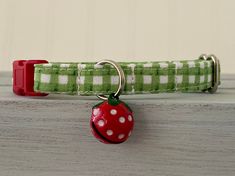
[[124, 30], [175, 135]]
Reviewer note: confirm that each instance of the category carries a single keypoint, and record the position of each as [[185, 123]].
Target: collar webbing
[[141, 77]]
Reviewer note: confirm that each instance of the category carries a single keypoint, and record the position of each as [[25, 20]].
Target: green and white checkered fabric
[[141, 77]]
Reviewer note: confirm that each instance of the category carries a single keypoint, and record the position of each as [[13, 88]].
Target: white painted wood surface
[[121, 30], [175, 135]]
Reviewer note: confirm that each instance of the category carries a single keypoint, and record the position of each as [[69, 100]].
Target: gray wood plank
[[175, 134]]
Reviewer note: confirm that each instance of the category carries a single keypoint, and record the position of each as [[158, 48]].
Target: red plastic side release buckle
[[23, 77]]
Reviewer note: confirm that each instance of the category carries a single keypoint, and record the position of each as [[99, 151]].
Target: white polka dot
[[96, 111], [130, 118], [122, 119], [109, 132], [101, 123], [129, 133], [113, 111], [121, 136]]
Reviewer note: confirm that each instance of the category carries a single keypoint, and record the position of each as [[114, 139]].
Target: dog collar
[[37, 77], [112, 120]]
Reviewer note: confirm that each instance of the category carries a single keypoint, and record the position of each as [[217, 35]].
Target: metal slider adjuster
[[215, 71]]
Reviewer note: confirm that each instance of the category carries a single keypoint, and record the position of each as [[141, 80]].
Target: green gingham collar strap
[[141, 77]]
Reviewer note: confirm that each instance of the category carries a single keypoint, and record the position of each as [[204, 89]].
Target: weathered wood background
[[124, 30], [175, 135]]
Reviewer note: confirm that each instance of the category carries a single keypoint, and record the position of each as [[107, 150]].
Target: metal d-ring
[[215, 71], [121, 82]]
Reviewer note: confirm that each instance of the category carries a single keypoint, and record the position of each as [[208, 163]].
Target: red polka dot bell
[[112, 121]]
